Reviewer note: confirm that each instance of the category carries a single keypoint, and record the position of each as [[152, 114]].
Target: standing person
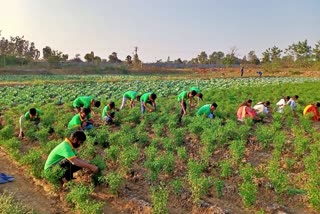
[[262, 107], [32, 115], [131, 95], [245, 111], [293, 104], [85, 102], [182, 97], [242, 71], [81, 121], [148, 98], [108, 114], [312, 109], [207, 110], [65, 156], [282, 103]]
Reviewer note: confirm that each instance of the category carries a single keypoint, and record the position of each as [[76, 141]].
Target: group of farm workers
[[65, 154]]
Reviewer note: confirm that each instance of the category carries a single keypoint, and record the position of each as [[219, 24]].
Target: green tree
[[129, 60], [300, 50], [252, 58], [89, 56], [316, 51], [178, 61], [113, 58], [46, 52], [216, 57], [266, 56], [275, 53], [203, 58]]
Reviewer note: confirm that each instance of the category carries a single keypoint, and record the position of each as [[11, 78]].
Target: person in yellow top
[[312, 109]]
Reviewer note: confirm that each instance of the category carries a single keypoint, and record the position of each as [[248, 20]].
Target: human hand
[[21, 135], [150, 110], [94, 168]]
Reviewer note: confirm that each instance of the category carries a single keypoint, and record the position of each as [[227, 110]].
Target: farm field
[[151, 164]]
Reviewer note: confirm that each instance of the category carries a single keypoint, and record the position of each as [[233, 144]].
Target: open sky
[[161, 28]]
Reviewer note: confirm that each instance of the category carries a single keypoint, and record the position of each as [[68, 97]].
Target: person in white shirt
[[282, 103], [262, 107], [293, 103]]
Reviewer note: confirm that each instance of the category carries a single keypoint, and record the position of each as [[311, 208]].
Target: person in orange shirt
[[245, 111], [313, 108]]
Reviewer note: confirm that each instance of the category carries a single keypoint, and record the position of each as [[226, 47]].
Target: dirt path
[[27, 191]]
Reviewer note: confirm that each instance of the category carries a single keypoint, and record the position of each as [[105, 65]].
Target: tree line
[[19, 51]]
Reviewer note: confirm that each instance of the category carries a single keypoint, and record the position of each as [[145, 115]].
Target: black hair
[[97, 103], [268, 103], [153, 96], [296, 96], [318, 104], [33, 111], [200, 95], [193, 92], [214, 104], [288, 97], [245, 102], [112, 105], [79, 135], [138, 97], [86, 110]]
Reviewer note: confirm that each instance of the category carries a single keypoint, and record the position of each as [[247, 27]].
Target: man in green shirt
[[108, 114], [32, 115], [65, 155], [199, 94], [81, 121], [85, 102], [148, 98], [131, 95], [182, 97], [207, 110]]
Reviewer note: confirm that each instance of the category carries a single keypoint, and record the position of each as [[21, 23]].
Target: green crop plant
[[8, 204], [219, 185], [176, 186], [248, 192], [34, 160], [112, 152], [12, 146], [237, 149], [128, 156], [88, 149], [114, 181], [248, 189], [265, 135], [300, 144], [199, 184], [99, 161], [7, 132], [168, 144], [182, 153], [277, 177], [79, 196], [53, 175], [225, 168], [158, 129], [306, 124], [159, 199], [42, 135], [279, 140]]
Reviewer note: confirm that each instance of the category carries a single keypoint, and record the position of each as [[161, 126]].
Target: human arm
[[183, 106], [146, 106], [21, 121], [83, 164]]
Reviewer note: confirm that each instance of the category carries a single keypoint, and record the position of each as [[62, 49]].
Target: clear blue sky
[[161, 28]]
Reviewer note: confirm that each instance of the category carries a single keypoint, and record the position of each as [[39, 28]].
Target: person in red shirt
[[245, 111], [313, 108]]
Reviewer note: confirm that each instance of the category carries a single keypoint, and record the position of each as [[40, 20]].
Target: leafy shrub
[[159, 199]]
